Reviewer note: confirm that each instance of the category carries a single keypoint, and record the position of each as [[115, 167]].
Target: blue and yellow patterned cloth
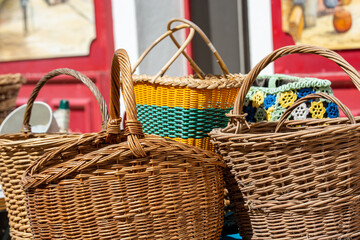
[[270, 96]]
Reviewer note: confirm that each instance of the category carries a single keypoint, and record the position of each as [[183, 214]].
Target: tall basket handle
[[174, 57], [333, 99], [192, 26], [251, 77], [26, 128], [133, 129], [120, 64], [219, 60]]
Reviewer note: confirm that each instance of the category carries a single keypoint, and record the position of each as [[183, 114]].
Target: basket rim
[[192, 81], [31, 140], [9, 79], [32, 178]]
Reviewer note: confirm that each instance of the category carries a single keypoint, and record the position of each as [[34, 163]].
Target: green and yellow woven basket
[[185, 113], [187, 108]]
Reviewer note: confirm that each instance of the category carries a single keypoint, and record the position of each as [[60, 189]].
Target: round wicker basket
[[300, 182], [144, 187]]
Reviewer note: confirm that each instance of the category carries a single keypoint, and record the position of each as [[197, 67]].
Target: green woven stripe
[[180, 122]]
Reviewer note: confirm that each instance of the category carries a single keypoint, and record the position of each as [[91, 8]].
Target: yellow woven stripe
[[185, 97], [203, 143]]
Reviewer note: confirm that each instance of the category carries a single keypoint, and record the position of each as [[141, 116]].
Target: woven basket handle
[[250, 78], [133, 129], [26, 128], [174, 57], [219, 60], [333, 99]]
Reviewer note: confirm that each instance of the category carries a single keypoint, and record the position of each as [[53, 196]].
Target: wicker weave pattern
[[189, 123], [155, 197], [9, 88], [291, 191], [15, 157], [146, 187], [18, 151], [193, 82], [299, 181]]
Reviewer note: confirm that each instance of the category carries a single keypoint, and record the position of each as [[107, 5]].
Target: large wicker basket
[[9, 88], [185, 108], [18, 151], [298, 183], [146, 187]]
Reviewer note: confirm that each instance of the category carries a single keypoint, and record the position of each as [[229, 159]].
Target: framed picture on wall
[[328, 23], [39, 29]]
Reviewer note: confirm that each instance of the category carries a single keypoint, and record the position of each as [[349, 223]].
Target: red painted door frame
[[189, 48], [96, 66]]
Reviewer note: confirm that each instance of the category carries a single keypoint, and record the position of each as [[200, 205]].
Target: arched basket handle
[[133, 129], [219, 59], [251, 77], [193, 27], [174, 57], [26, 128]]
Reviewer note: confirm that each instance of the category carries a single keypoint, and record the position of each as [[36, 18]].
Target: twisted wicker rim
[[191, 81]]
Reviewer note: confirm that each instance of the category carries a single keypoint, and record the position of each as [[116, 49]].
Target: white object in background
[[41, 120], [2, 195], [260, 32], [62, 115]]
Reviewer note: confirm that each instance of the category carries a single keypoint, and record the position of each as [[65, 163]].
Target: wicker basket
[[298, 183], [186, 108], [18, 151], [9, 88], [146, 187]]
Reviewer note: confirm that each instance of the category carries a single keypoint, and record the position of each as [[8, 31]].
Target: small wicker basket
[[9, 88], [146, 187], [18, 151]]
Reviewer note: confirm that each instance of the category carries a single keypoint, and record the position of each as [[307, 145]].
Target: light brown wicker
[[9, 88], [146, 187], [301, 181], [18, 151]]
